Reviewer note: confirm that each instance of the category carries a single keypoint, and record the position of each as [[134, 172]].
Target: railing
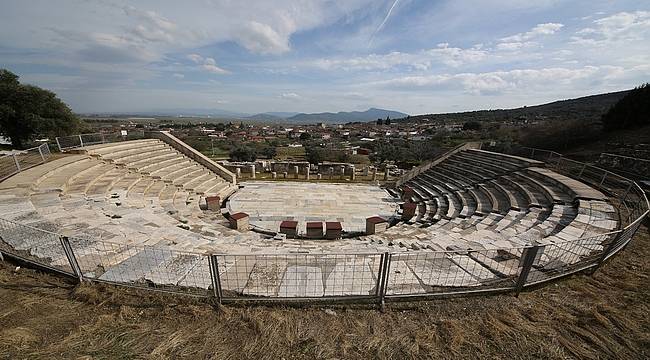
[[22, 160], [372, 277], [78, 141], [428, 165]]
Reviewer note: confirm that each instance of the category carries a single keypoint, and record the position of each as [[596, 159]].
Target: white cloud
[[617, 28], [525, 40], [178, 76], [290, 96], [498, 82], [537, 31], [262, 38], [207, 63], [422, 60]]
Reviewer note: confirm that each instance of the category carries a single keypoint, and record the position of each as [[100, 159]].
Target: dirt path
[[590, 317]]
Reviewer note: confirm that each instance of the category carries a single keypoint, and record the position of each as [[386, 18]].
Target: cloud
[[290, 96], [263, 39], [616, 28], [178, 76], [500, 82], [421, 60], [538, 30], [207, 63], [525, 40]]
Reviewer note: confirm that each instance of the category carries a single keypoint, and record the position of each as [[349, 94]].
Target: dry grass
[[590, 317]]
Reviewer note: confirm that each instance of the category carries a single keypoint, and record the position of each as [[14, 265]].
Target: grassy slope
[[599, 316]]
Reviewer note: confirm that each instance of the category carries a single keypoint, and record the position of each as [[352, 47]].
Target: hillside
[[589, 108]]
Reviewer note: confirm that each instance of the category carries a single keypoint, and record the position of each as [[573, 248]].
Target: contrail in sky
[[383, 22]]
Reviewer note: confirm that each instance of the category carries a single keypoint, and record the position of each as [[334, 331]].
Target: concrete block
[[315, 229], [239, 221], [213, 203], [333, 230], [376, 225], [289, 228]]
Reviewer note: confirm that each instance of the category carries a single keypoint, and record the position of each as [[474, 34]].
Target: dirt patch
[[604, 315]]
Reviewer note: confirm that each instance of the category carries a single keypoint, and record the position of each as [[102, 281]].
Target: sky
[[250, 56]]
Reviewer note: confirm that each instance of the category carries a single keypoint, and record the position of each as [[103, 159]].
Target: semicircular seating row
[[145, 193]]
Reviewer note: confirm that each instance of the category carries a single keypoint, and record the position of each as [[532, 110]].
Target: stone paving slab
[[300, 280], [269, 203]]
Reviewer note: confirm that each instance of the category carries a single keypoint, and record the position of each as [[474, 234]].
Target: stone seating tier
[[472, 202]]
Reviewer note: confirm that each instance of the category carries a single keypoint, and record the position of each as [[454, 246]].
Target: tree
[[242, 153], [314, 155], [27, 111], [632, 111], [472, 125], [305, 136], [387, 122], [380, 121], [269, 152]]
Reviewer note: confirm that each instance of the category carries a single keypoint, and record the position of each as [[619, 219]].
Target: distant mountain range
[[345, 116], [283, 117]]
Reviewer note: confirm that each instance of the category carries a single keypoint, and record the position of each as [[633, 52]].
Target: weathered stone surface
[[269, 203], [352, 276], [299, 281]]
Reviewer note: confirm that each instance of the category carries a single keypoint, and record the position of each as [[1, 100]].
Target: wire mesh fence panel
[[625, 237], [422, 272], [299, 275], [75, 141], [151, 267], [45, 150], [68, 142], [566, 257], [35, 245], [8, 166], [29, 158], [92, 139]]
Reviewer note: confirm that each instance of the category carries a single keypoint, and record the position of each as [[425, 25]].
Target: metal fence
[[78, 141], [373, 277], [23, 159]]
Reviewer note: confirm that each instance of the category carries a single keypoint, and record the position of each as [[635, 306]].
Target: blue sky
[[415, 56]]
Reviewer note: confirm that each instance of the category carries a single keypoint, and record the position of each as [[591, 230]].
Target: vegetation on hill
[[27, 112], [631, 111], [589, 108]]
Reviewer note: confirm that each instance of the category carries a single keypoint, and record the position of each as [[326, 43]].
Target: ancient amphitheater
[[139, 213]]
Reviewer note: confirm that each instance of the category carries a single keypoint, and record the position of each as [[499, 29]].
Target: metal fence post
[[16, 162], [41, 152], [81, 141], [59, 144], [528, 257], [608, 250], [582, 171], [214, 276], [603, 180], [382, 279], [69, 253]]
